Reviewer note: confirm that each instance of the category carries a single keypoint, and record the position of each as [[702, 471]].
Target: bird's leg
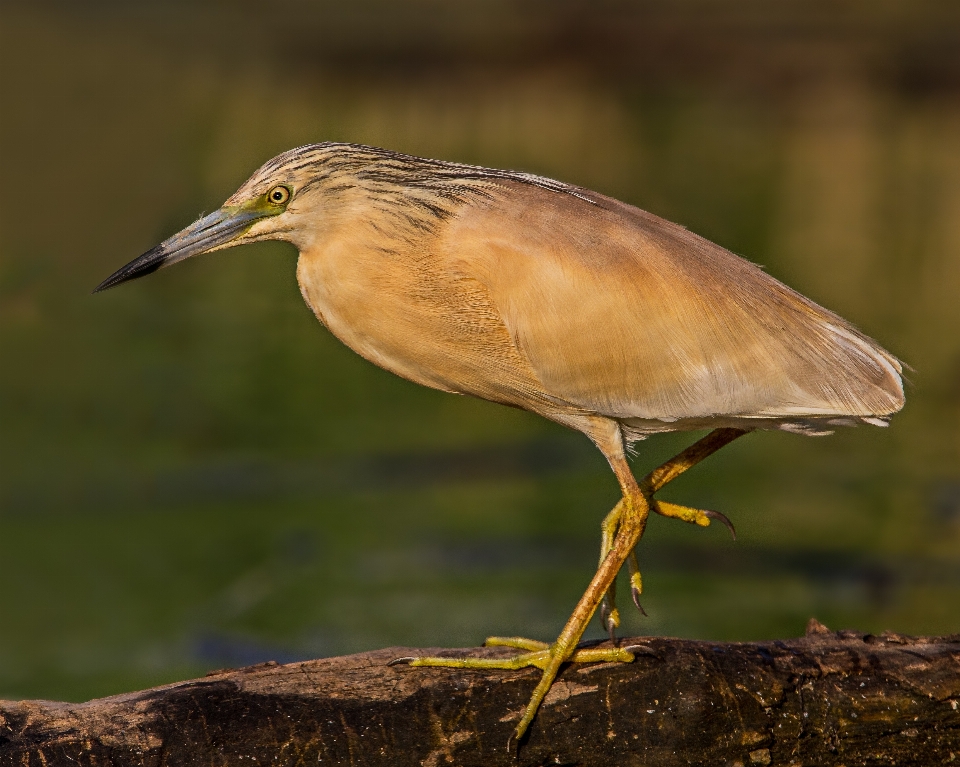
[[655, 480], [670, 470], [609, 615], [688, 458], [634, 510], [622, 528]]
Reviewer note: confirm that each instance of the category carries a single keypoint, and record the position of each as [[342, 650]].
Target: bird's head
[[270, 205], [301, 195]]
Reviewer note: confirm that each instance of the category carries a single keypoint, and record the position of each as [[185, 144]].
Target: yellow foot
[[518, 643], [699, 517], [538, 654]]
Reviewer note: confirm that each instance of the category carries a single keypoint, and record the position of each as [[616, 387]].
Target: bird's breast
[[410, 311]]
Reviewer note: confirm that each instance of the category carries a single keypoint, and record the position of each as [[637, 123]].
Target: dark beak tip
[[112, 281], [146, 264]]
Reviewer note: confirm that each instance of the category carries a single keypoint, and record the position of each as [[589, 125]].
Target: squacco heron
[[549, 297]]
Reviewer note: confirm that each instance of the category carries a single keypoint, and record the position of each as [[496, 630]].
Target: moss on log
[[828, 698]]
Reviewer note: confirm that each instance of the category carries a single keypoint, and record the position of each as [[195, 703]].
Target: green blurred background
[[195, 474]]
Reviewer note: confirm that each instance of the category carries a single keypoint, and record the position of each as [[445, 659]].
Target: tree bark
[[828, 698]]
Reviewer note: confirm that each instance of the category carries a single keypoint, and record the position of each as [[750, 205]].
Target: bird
[[549, 297]]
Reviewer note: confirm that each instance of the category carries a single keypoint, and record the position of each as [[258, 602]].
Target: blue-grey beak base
[[210, 232]]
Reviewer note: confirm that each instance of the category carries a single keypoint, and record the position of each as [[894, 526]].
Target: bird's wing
[[624, 314]]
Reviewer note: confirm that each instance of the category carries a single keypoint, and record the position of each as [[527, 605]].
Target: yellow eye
[[278, 195]]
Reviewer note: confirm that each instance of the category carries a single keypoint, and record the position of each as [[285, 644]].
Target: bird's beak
[[212, 232]]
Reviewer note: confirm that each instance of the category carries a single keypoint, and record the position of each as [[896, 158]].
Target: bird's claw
[[640, 649], [723, 519], [635, 594]]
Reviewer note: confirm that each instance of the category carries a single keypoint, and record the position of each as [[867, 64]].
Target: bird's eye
[[278, 195]]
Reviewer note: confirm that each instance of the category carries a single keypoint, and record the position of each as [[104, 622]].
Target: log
[[829, 698]]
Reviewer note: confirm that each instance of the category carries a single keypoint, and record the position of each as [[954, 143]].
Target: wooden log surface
[[828, 698]]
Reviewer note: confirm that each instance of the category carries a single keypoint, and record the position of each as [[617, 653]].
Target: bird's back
[[624, 314]]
